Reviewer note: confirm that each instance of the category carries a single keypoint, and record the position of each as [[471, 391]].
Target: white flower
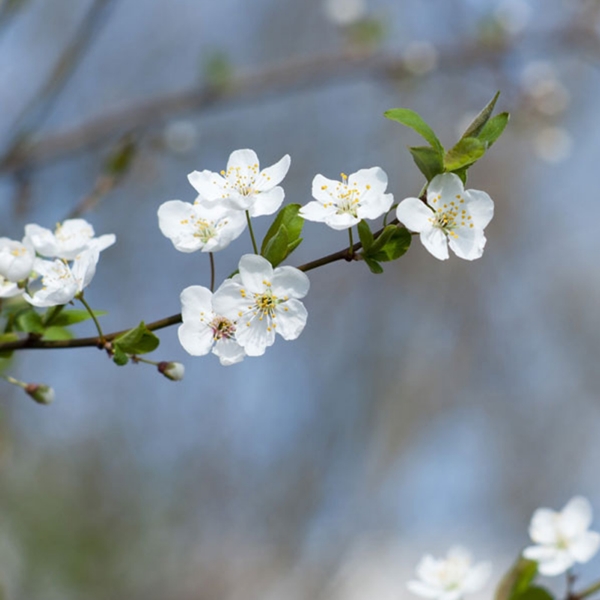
[[263, 301], [243, 186], [345, 12], [204, 330], [562, 538], [452, 216], [68, 240], [61, 283], [8, 289], [16, 259], [451, 577], [342, 204], [204, 226]]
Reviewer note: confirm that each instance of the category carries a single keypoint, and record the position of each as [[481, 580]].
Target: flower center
[[205, 230], [450, 215], [266, 303], [222, 328], [241, 179]]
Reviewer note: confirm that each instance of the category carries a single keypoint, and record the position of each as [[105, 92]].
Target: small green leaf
[[518, 579], [365, 235], [119, 357], [429, 160], [411, 119], [534, 593], [70, 317], [119, 161], [5, 338], [493, 129], [54, 332], [395, 245], [292, 224], [373, 265], [138, 340], [29, 321], [464, 153], [481, 119]]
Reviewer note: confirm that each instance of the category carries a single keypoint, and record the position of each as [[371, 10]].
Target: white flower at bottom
[[61, 282], [204, 330], [451, 577], [263, 301], [8, 289], [204, 226], [16, 259], [562, 538], [342, 204], [452, 217]]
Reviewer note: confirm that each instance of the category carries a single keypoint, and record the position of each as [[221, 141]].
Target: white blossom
[[204, 226], [562, 538], [345, 12], [69, 239], [8, 289], [263, 301], [16, 259], [449, 578], [204, 330], [244, 186], [452, 217], [342, 204], [61, 282]]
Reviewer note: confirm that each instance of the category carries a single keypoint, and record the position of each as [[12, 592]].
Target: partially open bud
[[172, 370], [42, 394]]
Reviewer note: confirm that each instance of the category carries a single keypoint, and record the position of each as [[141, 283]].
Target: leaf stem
[[251, 232], [83, 301], [211, 257]]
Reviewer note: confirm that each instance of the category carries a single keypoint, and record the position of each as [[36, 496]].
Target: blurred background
[[438, 403]]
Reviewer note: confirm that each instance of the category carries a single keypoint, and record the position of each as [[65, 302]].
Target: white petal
[[291, 319], [289, 281], [423, 589], [104, 241], [196, 338], [43, 240], [477, 577], [233, 225], [254, 271], [266, 203], [372, 206], [480, 207], [323, 189], [543, 526], [375, 177], [576, 516], [447, 185], [435, 241], [468, 243], [273, 175], [585, 547], [415, 215], [341, 221], [562, 562], [208, 184], [315, 211], [9, 289], [84, 267], [541, 553], [428, 569], [255, 335], [196, 304], [228, 351], [228, 301], [245, 160], [173, 218], [451, 594]]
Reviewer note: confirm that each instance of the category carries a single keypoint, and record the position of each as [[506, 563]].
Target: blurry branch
[[34, 342], [35, 112], [8, 9], [288, 77]]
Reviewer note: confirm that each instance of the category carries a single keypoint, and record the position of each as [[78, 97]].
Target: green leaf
[[517, 580], [119, 161], [119, 357], [70, 317], [373, 265], [276, 249], [493, 129], [396, 243], [481, 119], [464, 153], [365, 235], [534, 593], [29, 321], [283, 236], [138, 340], [4, 338], [54, 332], [429, 160], [411, 119]]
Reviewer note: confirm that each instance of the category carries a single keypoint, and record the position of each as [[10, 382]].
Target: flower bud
[[171, 370], [42, 394]]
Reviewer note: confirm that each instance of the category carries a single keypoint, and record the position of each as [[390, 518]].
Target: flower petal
[[374, 179], [315, 211], [559, 564], [209, 185], [228, 351], [373, 206], [84, 267], [244, 160], [196, 338], [468, 243], [324, 190], [480, 207], [423, 589], [585, 547], [291, 319], [254, 271], [271, 176], [415, 215], [289, 281], [341, 221], [255, 335], [540, 553], [196, 304], [447, 185], [266, 203], [576, 516], [477, 577], [542, 528], [436, 242], [43, 240]]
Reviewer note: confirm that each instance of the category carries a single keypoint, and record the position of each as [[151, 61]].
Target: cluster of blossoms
[[243, 315], [561, 538], [50, 268]]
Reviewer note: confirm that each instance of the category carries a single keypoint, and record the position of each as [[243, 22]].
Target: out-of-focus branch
[[35, 112]]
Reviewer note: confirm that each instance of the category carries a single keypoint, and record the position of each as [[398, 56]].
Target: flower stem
[[14, 381], [211, 256], [588, 591], [351, 247], [251, 232], [89, 309]]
